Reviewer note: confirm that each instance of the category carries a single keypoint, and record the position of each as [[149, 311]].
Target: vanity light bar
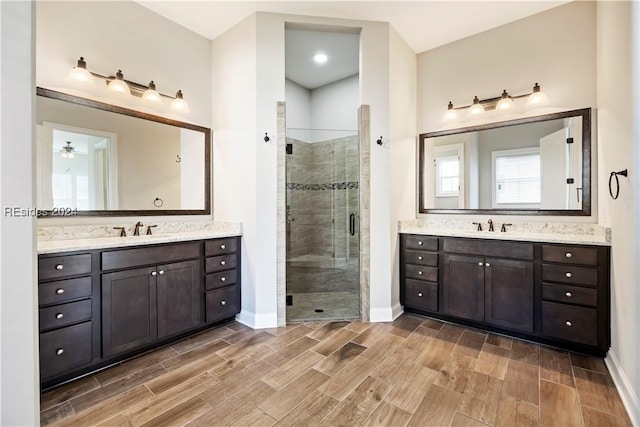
[[535, 98], [122, 87]]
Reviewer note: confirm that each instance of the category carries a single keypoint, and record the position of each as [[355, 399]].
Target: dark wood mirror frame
[[48, 93], [585, 113]]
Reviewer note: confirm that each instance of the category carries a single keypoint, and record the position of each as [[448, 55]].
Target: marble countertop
[[86, 242], [582, 234]]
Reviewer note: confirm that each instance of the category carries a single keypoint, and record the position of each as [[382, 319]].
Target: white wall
[[618, 130], [401, 146], [19, 379], [124, 35], [298, 112], [334, 109], [555, 48]]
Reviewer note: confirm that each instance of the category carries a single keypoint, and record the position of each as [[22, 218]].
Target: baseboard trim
[[385, 314], [628, 396], [257, 321]]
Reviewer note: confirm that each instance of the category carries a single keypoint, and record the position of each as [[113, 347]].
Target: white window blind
[[447, 176], [517, 177]]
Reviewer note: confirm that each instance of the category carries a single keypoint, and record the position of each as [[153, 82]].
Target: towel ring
[[615, 175], [158, 202]]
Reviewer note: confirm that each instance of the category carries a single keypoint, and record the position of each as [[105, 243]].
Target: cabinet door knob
[[420, 294], [419, 242], [59, 267], [488, 265], [59, 351], [59, 291], [160, 271], [223, 246], [569, 275], [419, 257], [568, 254], [568, 323], [223, 262], [223, 302], [569, 294], [419, 273], [153, 273], [59, 316], [223, 279], [480, 264]]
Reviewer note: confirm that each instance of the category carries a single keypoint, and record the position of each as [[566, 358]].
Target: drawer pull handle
[[59, 351], [488, 265], [568, 254], [59, 267], [59, 291], [569, 294], [223, 247], [419, 273], [223, 279], [568, 323], [153, 273], [223, 262], [419, 258], [419, 242], [59, 316], [480, 264], [420, 294], [569, 275], [161, 272], [223, 302]]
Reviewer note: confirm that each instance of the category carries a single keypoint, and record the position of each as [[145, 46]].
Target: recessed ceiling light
[[320, 58]]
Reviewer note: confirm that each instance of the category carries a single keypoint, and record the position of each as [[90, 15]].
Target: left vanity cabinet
[[103, 306]]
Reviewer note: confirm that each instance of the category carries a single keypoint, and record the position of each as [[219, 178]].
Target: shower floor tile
[[335, 305]]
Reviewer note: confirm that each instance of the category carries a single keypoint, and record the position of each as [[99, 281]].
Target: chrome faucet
[[491, 225], [136, 230]]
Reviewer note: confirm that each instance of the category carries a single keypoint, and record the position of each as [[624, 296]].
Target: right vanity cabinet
[[552, 293]]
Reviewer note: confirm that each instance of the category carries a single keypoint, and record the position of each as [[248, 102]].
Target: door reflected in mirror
[[538, 165]]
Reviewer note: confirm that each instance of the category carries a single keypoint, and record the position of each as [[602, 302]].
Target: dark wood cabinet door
[[509, 294], [129, 315], [180, 297], [463, 286]]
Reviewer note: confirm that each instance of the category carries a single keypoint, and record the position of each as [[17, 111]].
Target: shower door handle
[[352, 224]]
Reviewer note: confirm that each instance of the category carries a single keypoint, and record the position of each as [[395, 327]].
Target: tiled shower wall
[[322, 191]]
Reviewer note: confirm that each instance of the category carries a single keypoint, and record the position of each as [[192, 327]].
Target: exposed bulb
[[451, 114], [320, 58], [80, 75], [179, 104], [537, 97], [476, 108], [505, 102], [118, 85], [151, 95]]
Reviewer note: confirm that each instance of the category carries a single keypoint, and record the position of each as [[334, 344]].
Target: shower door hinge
[[569, 140], [569, 180], [289, 148]]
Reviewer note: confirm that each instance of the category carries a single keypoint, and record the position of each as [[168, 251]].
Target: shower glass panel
[[323, 239]]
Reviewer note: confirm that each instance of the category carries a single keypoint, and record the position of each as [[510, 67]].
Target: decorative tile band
[[323, 187]]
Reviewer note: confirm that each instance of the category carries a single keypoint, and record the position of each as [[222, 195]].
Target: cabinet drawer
[[424, 243], [570, 294], [570, 323], [421, 273], [220, 263], [64, 314], [125, 258], [65, 349], [222, 303], [421, 295], [218, 280], [421, 258], [489, 248], [221, 246], [570, 274], [64, 290], [570, 255], [63, 266]]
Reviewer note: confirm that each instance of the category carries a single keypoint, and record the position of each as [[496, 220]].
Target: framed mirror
[[531, 166], [96, 159]]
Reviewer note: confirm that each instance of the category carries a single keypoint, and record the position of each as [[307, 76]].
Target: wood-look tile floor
[[412, 372]]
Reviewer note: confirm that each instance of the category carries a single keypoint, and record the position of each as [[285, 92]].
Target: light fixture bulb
[[80, 75], [179, 104], [320, 58], [537, 97], [451, 114], [151, 95], [476, 108], [118, 85], [505, 102]]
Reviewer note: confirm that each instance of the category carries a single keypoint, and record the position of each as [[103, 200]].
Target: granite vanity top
[[569, 233], [78, 238]]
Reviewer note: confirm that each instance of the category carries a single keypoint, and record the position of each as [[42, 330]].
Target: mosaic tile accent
[[323, 187]]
